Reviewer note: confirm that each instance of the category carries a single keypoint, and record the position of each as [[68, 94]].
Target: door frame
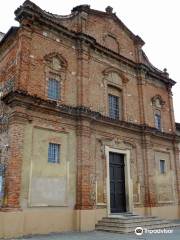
[[128, 181]]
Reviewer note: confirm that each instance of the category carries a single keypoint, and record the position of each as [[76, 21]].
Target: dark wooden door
[[117, 183]]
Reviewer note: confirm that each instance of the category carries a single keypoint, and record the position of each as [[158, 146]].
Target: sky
[[155, 21]]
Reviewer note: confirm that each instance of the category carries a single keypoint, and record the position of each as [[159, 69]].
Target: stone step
[[132, 224], [132, 229], [124, 216], [129, 220], [136, 224], [126, 223], [129, 214]]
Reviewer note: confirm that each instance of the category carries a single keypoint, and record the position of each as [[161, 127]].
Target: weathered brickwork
[[92, 54]]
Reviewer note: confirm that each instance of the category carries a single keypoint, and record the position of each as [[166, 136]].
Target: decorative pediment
[[107, 22], [115, 75], [55, 61], [157, 101]]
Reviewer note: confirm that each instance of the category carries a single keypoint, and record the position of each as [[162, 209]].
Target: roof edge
[[10, 32]]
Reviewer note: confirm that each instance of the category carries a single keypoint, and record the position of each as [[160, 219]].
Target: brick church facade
[[91, 129]]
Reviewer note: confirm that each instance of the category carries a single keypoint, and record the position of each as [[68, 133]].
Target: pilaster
[[176, 151], [171, 109], [140, 84], [14, 165], [148, 159], [85, 168], [83, 81], [23, 59]]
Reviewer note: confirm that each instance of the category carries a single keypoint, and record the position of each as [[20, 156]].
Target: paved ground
[[106, 236]]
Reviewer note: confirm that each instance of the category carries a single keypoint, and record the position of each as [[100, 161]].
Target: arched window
[[55, 66], [115, 88]]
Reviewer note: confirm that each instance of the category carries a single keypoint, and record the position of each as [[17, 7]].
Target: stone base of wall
[[165, 212], [86, 219], [47, 220], [36, 221]]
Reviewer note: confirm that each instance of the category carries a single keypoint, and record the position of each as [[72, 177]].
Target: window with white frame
[[54, 153]]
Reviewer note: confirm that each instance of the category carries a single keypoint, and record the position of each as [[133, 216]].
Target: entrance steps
[[128, 222]]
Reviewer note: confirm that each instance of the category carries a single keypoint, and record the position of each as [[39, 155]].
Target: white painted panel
[[48, 191]]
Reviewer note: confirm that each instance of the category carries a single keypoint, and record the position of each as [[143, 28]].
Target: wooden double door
[[117, 183]]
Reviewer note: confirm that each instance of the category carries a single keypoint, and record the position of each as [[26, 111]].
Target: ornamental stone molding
[[157, 101]]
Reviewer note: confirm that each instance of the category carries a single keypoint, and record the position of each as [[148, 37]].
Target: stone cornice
[[21, 98], [34, 14]]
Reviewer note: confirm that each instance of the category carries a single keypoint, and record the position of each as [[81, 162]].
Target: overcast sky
[[155, 21]]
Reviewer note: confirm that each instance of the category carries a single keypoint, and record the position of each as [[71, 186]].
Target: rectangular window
[[158, 121], [162, 166], [113, 106], [53, 89], [54, 153]]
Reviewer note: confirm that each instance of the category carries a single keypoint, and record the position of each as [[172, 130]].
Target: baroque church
[[87, 124]]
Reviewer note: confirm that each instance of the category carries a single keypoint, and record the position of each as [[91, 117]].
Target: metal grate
[[54, 153], [53, 89], [113, 106]]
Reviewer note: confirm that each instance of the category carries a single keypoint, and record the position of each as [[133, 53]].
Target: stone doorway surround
[[128, 181]]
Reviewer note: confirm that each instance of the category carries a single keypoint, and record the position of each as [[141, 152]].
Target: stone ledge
[[24, 99]]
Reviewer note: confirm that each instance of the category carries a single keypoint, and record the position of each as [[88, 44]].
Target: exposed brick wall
[[8, 62], [84, 78], [85, 83], [14, 166], [100, 27]]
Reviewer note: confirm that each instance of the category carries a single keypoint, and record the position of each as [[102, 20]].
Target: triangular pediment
[[108, 30]]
